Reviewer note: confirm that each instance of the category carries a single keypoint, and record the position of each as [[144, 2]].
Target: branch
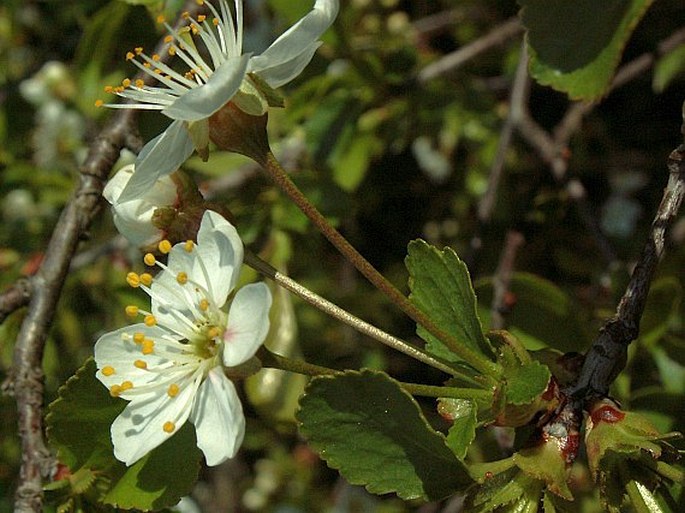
[[454, 60], [607, 356], [15, 297], [502, 278]]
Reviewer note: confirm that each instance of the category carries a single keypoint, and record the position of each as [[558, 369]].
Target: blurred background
[[392, 141]]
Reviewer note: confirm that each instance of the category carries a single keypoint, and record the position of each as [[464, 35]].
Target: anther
[[108, 89], [189, 245], [182, 278], [138, 338], [169, 427], [150, 320], [108, 370], [140, 364], [214, 332], [126, 385], [133, 279], [129, 56], [138, 50], [99, 103], [173, 390], [146, 279], [168, 39], [115, 390], [148, 346], [201, 18], [149, 259], [126, 82], [204, 305], [161, 19], [140, 83], [164, 246], [155, 57], [216, 22], [131, 310]]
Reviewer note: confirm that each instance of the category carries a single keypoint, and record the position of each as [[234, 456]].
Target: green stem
[[276, 361], [479, 362], [342, 315]]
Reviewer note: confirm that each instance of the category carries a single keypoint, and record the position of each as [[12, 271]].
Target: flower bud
[[133, 218]]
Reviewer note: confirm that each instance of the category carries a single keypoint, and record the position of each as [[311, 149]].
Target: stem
[[342, 315], [276, 361], [281, 178]]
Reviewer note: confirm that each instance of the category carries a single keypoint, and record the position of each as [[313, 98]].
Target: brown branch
[[15, 297], [454, 60], [502, 279], [607, 356]]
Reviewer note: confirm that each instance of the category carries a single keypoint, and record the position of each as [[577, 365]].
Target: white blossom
[[170, 367], [220, 75]]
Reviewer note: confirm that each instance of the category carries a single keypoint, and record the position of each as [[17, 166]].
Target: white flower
[[227, 75], [133, 218], [170, 367]]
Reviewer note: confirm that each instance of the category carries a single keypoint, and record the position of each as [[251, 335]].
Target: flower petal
[[140, 427], [248, 323], [119, 352], [221, 250], [281, 74], [160, 157], [218, 418], [203, 101], [296, 41]]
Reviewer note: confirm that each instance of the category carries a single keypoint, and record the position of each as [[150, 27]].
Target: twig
[[607, 356], [342, 315], [502, 278], [454, 60], [15, 297]]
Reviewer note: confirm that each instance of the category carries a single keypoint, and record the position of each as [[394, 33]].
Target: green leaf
[[441, 287], [78, 425], [78, 421], [464, 416], [576, 46], [668, 68], [350, 161], [541, 314], [526, 383], [373, 432]]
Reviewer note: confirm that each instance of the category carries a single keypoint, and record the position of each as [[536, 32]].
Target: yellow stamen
[[138, 50], [164, 247], [108, 370], [189, 245], [146, 65], [129, 56], [155, 57], [216, 22], [140, 364], [126, 82], [185, 15], [150, 320], [148, 346], [126, 385], [213, 332], [201, 18], [140, 83], [133, 279], [146, 279], [169, 427], [149, 259], [161, 18], [172, 50], [204, 305], [138, 338], [99, 103], [200, 2], [109, 89], [173, 390], [182, 278], [168, 39], [131, 310], [115, 390]]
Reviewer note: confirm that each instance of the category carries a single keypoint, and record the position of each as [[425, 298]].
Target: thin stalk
[[344, 316], [276, 361], [479, 362]]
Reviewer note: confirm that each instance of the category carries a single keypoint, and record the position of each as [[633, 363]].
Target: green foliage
[[575, 47], [367, 427], [441, 287]]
